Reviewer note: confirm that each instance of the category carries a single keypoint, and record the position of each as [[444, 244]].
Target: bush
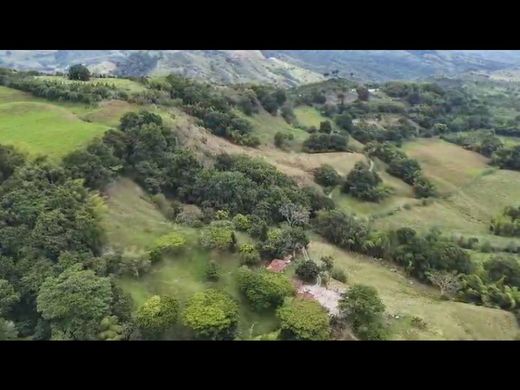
[[264, 289], [280, 139], [249, 255], [218, 235], [320, 143], [242, 222], [157, 314], [325, 127], [326, 176], [212, 271], [212, 315], [303, 320], [168, 244], [308, 271], [364, 184], [363, 310]]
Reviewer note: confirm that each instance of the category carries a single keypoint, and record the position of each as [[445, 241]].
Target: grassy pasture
[[132, 222], [449, 166], [44, 129], [406, 298]]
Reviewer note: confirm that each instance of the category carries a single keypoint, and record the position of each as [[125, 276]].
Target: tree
[[211, 314], [218, 235], [212, 271], [344, 121], [248, 254], [110, 329], [362, 308], [326, 176], [264, 289], [325, 127], [281, 242], [303, 320], [448, 282], [296, 215], [280, 139], [10, 159], [8, 297], [364, 183], [75, 302], [79, 72], [308, 271], [362, 93], [156, 315], [423, 188], [502, 267], [7, 330]]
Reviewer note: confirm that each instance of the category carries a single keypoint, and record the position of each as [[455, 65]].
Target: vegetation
[[212, 315], [303, 320], [363, 310], [79, 72], [264, 289]]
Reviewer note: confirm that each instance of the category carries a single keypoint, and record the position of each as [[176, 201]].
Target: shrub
[[303, 320], [264, 289], [308, 271], [242, 222], [326, 176], [249, 255], [168, 244]]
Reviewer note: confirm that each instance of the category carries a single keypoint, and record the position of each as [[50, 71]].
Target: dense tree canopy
[[211, 314], [303, 319]]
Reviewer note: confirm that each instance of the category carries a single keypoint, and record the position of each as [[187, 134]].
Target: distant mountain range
[[282, 67]]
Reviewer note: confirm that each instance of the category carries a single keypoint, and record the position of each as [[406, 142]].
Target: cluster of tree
[[399, 165], [497, 287], [483, 142], [364, 183], [209, 315], [271, 99], [417, 254], [79, 72], [56, 283], [281, 140], [55, 90], [322, 143], [326, 176], [508, 158], [210, 106], [361, 308], [364, 132], [264, 289], [508, 223]]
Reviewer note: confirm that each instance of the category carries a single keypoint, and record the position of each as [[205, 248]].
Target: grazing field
[[449, 166], [467, 211], [510, 141], [109, 112], [266, 126], [123, 84], [309, 116], [132, 222], [406, 298], [44, 129]]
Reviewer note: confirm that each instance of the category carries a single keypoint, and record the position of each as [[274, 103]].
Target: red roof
[[277, 265]]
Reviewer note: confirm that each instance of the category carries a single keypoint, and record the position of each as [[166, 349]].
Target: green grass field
[[44, 129], [407, 298], [468, 210], [266, 126], [449, 166], [309, 116], [133, 222]]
